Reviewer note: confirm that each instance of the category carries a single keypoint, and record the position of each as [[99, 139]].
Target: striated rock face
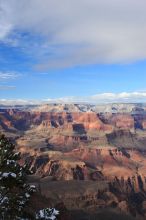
[[71, 121], [144, 124], [123, 122], [25, 120], [120, 172], [89, 160], [99, 164], [119, 120], [90, 120], [68, 130]]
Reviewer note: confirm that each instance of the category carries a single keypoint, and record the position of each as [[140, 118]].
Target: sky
[[72, 51]]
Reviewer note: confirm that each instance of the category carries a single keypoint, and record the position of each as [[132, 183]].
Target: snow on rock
[[7, 174], [47, 214]]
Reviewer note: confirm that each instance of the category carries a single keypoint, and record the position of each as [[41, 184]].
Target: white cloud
[[120, 97], [5, 23], [8, 75], [124, 97], [20, 102], [79, 32], [5, 87]]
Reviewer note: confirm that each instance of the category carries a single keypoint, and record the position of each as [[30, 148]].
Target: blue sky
[[51, 53]]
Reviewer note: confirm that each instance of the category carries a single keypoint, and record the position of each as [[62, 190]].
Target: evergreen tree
[[14, 192]]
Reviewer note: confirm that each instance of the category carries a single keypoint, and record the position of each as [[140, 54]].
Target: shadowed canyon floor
[[90, 158]]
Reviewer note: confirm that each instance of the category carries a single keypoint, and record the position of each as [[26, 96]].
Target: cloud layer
[[8, 75], [5, 87], [5, 77], [78, 32], [124, 97]]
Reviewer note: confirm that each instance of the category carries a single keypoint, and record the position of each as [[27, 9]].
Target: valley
[[88, 157]]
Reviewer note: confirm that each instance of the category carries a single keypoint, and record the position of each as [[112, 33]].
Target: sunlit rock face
[[91, 147]]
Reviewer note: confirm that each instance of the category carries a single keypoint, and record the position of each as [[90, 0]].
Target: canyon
[[90, 158]]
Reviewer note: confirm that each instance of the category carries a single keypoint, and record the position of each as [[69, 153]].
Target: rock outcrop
[[92, 159]]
